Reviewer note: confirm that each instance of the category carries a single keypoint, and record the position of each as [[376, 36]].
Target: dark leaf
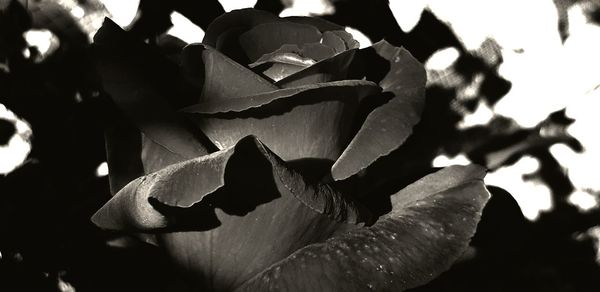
[[429, 227], [277, 71], [388, 126], [153, 16]]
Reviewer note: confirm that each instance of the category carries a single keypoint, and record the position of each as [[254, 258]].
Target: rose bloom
[[242, 158]]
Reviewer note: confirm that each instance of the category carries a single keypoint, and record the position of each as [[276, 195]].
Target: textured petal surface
[[230, 214], [223, 78], [289, 59], [429, 227], [312, 121], [329, 89], [334, 41], [389, 125]]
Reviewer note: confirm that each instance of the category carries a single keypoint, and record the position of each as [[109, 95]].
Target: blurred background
[[512, 85]]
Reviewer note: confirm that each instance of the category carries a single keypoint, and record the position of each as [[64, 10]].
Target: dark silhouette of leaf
[[7, 130], [155, 15]]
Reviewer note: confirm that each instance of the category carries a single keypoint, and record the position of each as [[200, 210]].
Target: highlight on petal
[[187, 183], [243, 206], [331, 69], [389, 125], [311, 121], [289, 59], [136, 90], [429, 227]]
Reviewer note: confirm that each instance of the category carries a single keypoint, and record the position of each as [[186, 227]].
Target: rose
[[246, 186]]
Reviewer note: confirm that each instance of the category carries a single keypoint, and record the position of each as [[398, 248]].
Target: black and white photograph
[[299, 145]]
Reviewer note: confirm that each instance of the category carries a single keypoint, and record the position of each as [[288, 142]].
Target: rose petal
[[317, 51], [289, 59], [331, 69], [388, 126], [155, 157], [276, 56], [242, 209], [268, 37], [278, 71], [429, 227], [228, 43], [311, 121], [348, 39], [320, 23], [223, 78], [114, 44], [134, 91], [123, 145], [339, 89], [243, 19], [333, 41]]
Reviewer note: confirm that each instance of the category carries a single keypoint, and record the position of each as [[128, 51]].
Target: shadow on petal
[[139, 91], [429, 227], [217, 75], [388, 126], [311, 121], [226, 216]]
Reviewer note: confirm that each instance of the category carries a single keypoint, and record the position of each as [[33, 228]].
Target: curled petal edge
[[388, 126], [135, 208], [430, 226]]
